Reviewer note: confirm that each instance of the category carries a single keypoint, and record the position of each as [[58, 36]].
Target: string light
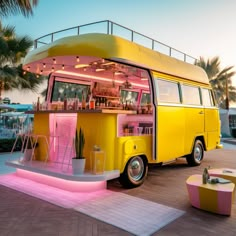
[[44, 65], [99, 69], [54, 61], [53, 69], [63, 66], [28, 68], [77, 58]]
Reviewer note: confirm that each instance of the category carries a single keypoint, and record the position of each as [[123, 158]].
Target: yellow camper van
[[139, 106]]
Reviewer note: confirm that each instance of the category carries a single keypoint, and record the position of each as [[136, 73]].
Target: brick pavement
[[21, 214]]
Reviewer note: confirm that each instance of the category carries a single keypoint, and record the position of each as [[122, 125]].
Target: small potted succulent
[[78, 162]]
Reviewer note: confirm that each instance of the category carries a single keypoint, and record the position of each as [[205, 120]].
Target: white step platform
[[54, 175]]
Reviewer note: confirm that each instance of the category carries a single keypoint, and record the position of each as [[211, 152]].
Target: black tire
[[135, 172], [195, 158]]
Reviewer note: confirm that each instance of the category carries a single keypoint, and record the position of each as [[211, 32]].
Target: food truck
[[136, 107]]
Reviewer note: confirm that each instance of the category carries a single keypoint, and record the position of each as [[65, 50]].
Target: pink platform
[[68, 185]]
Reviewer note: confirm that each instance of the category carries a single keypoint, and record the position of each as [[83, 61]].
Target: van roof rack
[[109, 27]]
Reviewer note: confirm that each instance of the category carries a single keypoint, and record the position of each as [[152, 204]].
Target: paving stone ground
[[23, 215]]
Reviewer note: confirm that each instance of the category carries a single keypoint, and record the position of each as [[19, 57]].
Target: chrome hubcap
[[136, 168], [198, 153]]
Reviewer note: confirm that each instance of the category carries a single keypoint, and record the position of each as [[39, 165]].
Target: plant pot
[[28, 154], [78, 166]]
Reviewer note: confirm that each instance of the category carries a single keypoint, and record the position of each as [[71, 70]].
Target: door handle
[[201, 112]]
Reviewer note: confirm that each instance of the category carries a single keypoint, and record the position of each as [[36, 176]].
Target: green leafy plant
[[79, 144]]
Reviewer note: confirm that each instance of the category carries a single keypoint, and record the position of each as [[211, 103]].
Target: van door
[[194, 116], [212, 119], [194, 126], [170, 121]]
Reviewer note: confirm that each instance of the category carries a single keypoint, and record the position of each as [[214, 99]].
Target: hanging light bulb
[[54, 61], [77, 58], [63, 67], [44, 65], [53, 69], [24, 72], [41, 72], [28, 68]]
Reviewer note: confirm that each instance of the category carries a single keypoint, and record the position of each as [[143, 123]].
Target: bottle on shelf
[[91, 103], [83, 101], [97, 104], [65, 102], [105, 102], [130, 106], [76, 103], [102, 103], [38, 104], [126, 105]]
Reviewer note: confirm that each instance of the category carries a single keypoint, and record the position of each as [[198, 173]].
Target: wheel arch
[[142, 155], [135, 171], [196, 156], [202, 139]]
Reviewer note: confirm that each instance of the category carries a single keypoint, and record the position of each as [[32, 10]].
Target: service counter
[[59, 126], [100, 127], [103, 123], [106, 128]]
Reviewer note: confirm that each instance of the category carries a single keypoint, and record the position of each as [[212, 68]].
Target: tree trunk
[[227, 95], [1, 89]]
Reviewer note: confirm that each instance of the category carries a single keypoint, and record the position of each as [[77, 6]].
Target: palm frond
[[12, 50], [11, 7], [219, 78]]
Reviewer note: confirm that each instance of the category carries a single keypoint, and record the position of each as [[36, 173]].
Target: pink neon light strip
[[50, 194], [68, 185]]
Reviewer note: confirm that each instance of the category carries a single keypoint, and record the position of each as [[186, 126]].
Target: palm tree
[[220, 80], [12, 50], [25, 7]]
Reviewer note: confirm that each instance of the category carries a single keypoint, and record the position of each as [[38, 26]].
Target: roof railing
[[109, 27]]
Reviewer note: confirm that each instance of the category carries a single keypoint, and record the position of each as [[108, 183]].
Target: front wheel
[[135, 172], [195, 158]]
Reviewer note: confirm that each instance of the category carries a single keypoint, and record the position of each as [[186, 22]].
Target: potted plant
[[78, 162]]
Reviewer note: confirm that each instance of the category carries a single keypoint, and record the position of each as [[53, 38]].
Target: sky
[[197, 27]]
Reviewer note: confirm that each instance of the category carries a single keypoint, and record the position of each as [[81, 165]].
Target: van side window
[[207, 98], [191, 95], [167, 91]]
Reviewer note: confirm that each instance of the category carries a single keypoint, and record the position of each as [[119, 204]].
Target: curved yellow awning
[[114, 48]]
